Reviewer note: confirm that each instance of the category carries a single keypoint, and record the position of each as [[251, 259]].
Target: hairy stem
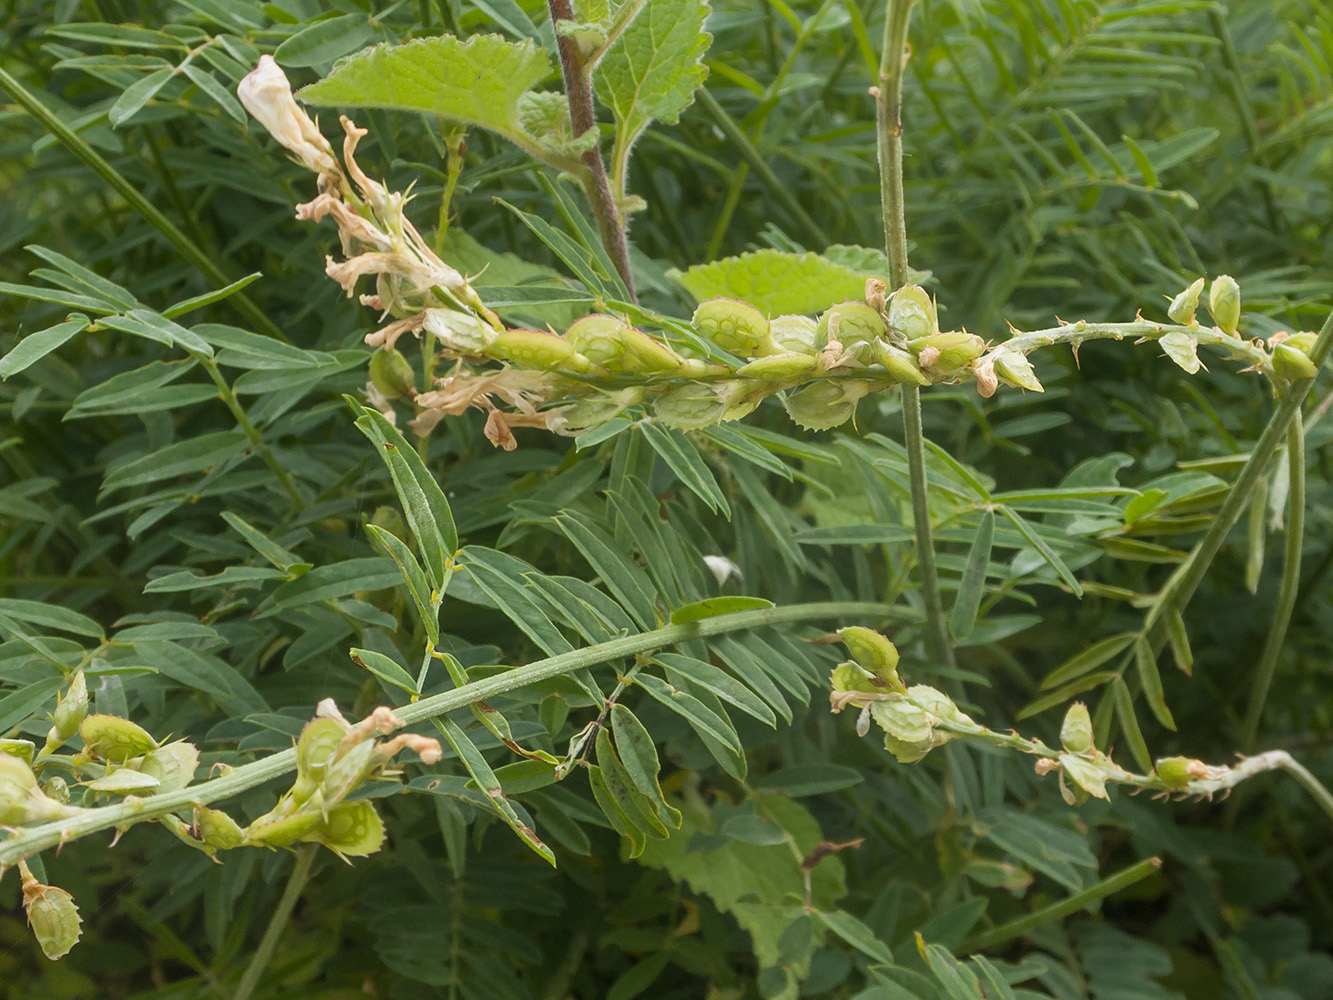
[[94, 161], [1291, 581], [578, 91], [888, 115], [135, 810], [305, 857]]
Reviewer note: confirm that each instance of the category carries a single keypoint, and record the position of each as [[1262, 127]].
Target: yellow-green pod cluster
[[619, 348]]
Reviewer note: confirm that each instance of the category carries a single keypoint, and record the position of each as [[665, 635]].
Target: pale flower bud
[[267, 95]]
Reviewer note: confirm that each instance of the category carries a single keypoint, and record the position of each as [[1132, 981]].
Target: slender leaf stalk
[[135, 199], [1109, 886], [40, 837], [305, 857], [888, 114], [1287, 591]]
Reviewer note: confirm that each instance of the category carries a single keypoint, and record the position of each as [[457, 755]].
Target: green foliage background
[[1064, 157]]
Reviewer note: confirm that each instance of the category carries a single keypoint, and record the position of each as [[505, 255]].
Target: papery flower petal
[[267, 95]]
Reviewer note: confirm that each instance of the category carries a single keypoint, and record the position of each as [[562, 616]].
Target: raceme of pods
[[121, 761], [602, 365], [920, 718]]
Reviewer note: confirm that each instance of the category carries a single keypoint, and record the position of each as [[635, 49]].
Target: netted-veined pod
[[599, 338], [740, 397], [827, 403], [21, 800], [1182, 307], [592, 411], [53, 917], [1015, 369], [947, 355], [900, 365], [283, 831], [172, 765], [735, 326], [689, 406], [537, 350], [912, 312], [852, 322], [1076, 730], [873, 652], [352, 829], [115, 739], [1224, 303], [793, 333]]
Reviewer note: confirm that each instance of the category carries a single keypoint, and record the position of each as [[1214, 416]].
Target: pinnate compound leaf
[[478, 82], [653, 69], [36, 346], [775, 281]]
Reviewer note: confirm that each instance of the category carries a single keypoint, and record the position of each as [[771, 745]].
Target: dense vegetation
[[200, 510]]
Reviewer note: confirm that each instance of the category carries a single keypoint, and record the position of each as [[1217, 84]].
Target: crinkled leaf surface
[[653, 69], [478, 82], [776, 281]]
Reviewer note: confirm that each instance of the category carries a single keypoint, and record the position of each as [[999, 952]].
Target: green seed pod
[[938, 704], [535, 349], [1015, 369], [827, 403], [1183, 306], [216, 829], [459, 333], [699, 368], [56, 789], [598, 338], [900, 365], [315, 748], [689, 406], [856, 323], [736, 327], [115, 739], [851, 676], [648, 356], [70, 711], [778, 367], [21, 801], [947, 355], [172, 765], [740, 397], [593, 411], [348, 771], [872, 651], [53, 917], [392, 374], [1177, 772], [908, 733], [793, 333], [1303, 342], [22, 749], [912, 312], [353, 829], [282, 831], [1076, 731], [125, 781], [1289, 362], [1224, 303]]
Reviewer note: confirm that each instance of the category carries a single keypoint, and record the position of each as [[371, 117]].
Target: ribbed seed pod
[[53, 917], [1076, 731], [856, 323], [689, 406], [827, 403], [536, 349], [115, 739], [352, 829], [912, 312]]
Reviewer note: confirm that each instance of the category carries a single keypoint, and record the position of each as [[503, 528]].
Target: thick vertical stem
[[888, 113], [578, 91]]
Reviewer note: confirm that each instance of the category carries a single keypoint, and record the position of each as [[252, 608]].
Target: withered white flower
[[267, 95]]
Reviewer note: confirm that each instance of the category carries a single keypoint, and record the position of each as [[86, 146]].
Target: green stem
[[1180, 588], [94, 161], [1058, 911], [228, 396], [39, 838], [1323, 798], [1291, 580], [305, 857], [888, 114]]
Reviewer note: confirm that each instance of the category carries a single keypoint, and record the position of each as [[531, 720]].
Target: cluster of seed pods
[[601, 365]]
